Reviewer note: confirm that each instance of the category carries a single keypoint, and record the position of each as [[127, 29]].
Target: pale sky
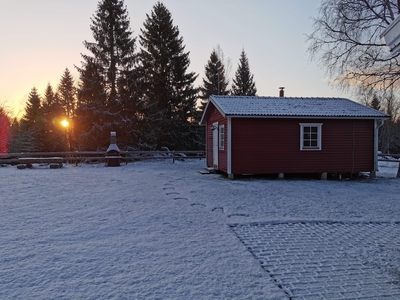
[[40, 38]]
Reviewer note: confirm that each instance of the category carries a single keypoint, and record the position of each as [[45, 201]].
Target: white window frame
[[318, 147], [221, 137]]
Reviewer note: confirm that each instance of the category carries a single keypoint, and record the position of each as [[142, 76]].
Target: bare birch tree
[[346, 42]]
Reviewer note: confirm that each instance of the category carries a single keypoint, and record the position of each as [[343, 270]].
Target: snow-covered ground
[[157, 230]]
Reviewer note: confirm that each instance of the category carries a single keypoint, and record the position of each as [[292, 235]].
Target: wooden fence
[[77, 157]]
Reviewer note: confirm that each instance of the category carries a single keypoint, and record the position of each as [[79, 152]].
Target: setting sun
[[64, 123]]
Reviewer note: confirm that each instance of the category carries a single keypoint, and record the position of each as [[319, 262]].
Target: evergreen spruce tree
[[214, 82], [33, 124], [375, 103], [53, 114], [243, 83], [15, 133], [49, 96], [66, 100], [103, 96], [67, 94], [168, 92], [91, 100]]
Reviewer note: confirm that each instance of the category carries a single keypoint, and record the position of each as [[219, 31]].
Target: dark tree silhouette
[[168, 94], [33, 126], [102, 97], [214, 82], [243, 82]]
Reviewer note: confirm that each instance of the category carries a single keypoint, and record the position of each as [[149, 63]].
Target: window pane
[[311, 136], [221, 137]]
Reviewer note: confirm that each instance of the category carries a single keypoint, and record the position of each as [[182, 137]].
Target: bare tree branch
[[346, 42]]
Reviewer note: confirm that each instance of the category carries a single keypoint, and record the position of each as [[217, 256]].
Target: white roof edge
[[237, 108], [217, 106], [220, 102], [306, 117], [210, 99]]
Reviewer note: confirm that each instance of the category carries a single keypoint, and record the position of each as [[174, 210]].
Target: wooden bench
[[26, 162]]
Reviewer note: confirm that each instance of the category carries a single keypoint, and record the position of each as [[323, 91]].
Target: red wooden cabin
[[278, 135]]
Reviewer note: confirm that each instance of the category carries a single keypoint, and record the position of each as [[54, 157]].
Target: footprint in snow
[[218, 209], [180, 198], [169, 188], [238, 215], [198, 205]]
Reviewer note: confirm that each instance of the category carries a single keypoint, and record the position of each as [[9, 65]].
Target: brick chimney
[[282, 91]]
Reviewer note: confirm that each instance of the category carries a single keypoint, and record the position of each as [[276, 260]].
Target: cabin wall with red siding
[[215, 116], [269, 146]]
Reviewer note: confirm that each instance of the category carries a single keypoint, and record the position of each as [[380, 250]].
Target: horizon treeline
[[139, 87]]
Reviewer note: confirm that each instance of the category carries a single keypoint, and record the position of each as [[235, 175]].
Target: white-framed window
[[221, 140], [310, 136]]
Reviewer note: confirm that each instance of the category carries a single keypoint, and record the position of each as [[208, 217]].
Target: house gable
[[213, 116]]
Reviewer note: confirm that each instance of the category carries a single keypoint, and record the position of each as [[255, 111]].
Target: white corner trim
[[229, 145]]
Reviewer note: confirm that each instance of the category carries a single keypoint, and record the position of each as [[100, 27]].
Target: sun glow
[[64, 123]]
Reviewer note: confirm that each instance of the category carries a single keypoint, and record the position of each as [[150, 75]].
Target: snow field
[[157, 230]]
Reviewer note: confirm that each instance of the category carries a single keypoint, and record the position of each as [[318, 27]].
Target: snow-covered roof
[[292, 107]]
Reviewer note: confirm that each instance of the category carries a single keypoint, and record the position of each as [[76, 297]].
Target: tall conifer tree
[[214, 82], [53, 114], [102, 95], [243, 83], [168, 92], [67, 94], [33, 124]]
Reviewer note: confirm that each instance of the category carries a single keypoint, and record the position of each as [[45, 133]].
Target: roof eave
[[211, 100], [306, 117]]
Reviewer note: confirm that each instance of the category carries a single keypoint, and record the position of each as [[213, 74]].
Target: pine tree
[[375, 103], [66, 93], [33, 124], [102, 98], [53, 114], [243, 83], [214, 82], [91, 100], [168, 92], [66, 100], [15, 133], [48, 98]]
